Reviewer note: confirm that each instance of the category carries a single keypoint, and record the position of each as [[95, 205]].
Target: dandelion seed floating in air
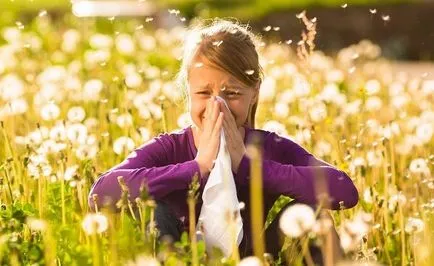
[[174, 12], [198, 65], [344, 5], [183, 19], [276, 28], [267, 28], [149, 19], [249, 72], [139, 27], [373, 11], [42, 13], [288, 41], [385, 17], [19, 25]]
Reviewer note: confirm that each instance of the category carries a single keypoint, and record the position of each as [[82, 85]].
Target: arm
[[290, 170], [148, 164]]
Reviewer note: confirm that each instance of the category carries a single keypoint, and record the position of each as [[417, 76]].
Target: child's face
[[205, 81]]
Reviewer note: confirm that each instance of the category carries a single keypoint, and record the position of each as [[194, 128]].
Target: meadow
[[77, 96]]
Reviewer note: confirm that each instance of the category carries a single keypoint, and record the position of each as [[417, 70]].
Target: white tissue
[[220, 198]]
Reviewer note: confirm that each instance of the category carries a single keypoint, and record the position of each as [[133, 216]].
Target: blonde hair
[[227, 45]]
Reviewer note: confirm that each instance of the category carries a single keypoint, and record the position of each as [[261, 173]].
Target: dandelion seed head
[[36, 224], [250, 261], [94, 223], [297, 220]]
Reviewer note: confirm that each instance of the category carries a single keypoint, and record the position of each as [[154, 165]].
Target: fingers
[[218, 125]]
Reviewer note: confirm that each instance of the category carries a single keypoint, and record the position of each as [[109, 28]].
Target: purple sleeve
[[148, 164], [294, 172]]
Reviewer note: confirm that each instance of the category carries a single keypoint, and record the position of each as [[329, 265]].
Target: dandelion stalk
[[257, 211], [191, 201], [402, 232], [62, 194], [152, 205]]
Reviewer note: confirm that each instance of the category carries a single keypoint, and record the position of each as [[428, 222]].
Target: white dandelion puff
[[424, 132], [297, 220], [50, 112], [123, 144], [143, 260], [94, 223], [124, 120], [419, 166], [36, 224], [250, 261], [76, 114], [414, 225]]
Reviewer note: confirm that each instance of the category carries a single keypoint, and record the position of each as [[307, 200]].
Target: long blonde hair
[[227, 45]]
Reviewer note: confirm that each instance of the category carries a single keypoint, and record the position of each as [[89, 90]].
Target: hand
[[234, 138], [209, 140]]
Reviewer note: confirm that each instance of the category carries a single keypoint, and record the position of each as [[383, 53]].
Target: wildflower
[[94, 223], [250, 261], [425, 132], [281, 110], [419, 166], [125, 44], [70, 172], [86, 151], [123, 144], [373, 104], [372, 87], [50, 111], [297, 220], [396, 199], [318, 112], [76, 133], [323, 148], [301, 86], [143, 260], [133, 80], [100, 41], [268, 89], [124, 120], [76, 114], [91, 89], [11, 87], [368, 195], [414, 225], [275, 127], [184, 120], [36, 224], [145, 134]]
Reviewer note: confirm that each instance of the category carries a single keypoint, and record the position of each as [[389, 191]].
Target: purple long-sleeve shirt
[[166, 163]]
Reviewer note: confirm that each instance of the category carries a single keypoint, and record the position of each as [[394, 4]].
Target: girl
[[221, 60]]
